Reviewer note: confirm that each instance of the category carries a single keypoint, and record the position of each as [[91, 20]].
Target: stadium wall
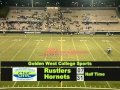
[[64, 8], [61, 3], [45, 32]]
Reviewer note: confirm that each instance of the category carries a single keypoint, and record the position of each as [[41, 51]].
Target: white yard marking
[[75, 48], [86, 88], [17, 40], [61, 40], [20, 50], [48, 47], [33, 51], [113, 47], [3, 42], [61, 49], [39, 40], [106, 41], [101, 49], [17, 53], [77, 57], [108, 84], [107, 56], [91, 55], [8, 48], [61, 56], [45, 58], [14, 84], [38, 83], [89, 51], [116, 40], [83, 40], [85, 84]]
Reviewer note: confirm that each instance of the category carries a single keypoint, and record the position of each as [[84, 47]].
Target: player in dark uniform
[[109, 50], [4, 33]]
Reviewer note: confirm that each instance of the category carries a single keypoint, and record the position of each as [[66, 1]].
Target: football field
[[56, 47]]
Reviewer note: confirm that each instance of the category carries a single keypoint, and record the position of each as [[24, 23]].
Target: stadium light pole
[[92, 3], [1, 3], [32, 3]]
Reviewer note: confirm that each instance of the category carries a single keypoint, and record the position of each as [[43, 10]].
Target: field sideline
[[50, 47]]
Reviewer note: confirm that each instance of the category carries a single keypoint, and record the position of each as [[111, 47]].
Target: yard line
[[3, 42], [17, 53], [61, 50], [113, 47], [75, 48], [90, 54], [7, 48], [61, 57], [20, 50], [89, 51], [38, 83], [33, 50], [105, 54], [86, 88], [48, 47], [14, 84], [101, 49], [33, 53], [108, 84], [85, 84], [77, 56], [115, 40], [45, 58]]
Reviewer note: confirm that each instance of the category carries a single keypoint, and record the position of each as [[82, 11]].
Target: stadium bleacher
[[84, 17], [75, 21]]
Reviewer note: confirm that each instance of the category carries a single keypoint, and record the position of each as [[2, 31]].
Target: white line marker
[[14, 84], [61, 57], [105, 54], [38, 83], [7, 48], [108, 84], [48, 47], [20, 50], [75, 48], [89, 51], [33, 51], [94, 88], [101, 49]]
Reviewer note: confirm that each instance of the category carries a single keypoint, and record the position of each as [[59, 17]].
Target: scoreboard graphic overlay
[[60, 71]]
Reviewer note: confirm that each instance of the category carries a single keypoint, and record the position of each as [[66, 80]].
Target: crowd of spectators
[[51, 21]]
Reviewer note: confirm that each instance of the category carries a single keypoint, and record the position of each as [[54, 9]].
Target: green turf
[[18, 47]]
